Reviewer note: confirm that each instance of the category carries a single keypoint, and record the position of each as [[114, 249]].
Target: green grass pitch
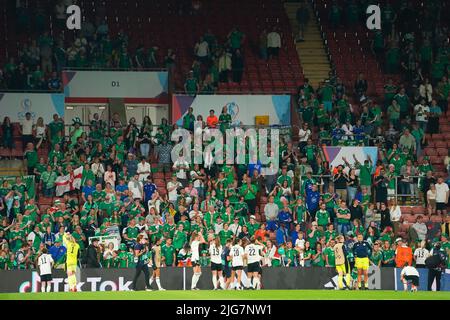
[[233, 295]]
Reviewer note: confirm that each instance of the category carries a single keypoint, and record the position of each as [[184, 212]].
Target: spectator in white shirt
[[181, 166], [172, 189], [98, 170], [348, 130], [110, 176], [396, 214], [303, 134], [273, 43], [202, 50], [143, 169], [271, 212], [136, 187], [421, 111], [235, 227], [420, 228], [442, 194], [27, 130]]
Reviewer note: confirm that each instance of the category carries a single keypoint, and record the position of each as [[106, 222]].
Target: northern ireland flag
[[69, 182]]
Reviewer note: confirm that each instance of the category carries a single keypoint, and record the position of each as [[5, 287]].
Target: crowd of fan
[[308, 203]]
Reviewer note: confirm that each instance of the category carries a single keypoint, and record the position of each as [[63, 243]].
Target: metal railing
[[415, 195]]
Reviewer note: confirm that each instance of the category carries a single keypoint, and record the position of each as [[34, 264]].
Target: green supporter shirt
[[179, 240], [123, 259], [388, 254], [282, 178], [398, 163], [318, 261], [32, 158], [131, 261], [327, 93], [394, 112], [188, 120], [343, 212], [376, 257], [316, 237], [236, 39], [169, 229], [132, 232], [249, 193], [310, 151], [224, 235], [291, 254], [322, 217], [225, 121], [329, 252], [191, 85], [252, 228], [330, 235], [365, 175], [168, 253], [403, 102]]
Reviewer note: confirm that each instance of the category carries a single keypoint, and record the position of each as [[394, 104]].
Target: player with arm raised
[[237, 263], [196, 240], [73, 248], [45, 263], [252, 254], [215, 252]]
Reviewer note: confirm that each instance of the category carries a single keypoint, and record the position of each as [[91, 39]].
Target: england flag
[[69, 182]]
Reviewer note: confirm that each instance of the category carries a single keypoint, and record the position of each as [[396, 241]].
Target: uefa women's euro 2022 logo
[[25, 107], [233, 111]]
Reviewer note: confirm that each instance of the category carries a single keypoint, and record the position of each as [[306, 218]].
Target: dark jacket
[[91, 258]]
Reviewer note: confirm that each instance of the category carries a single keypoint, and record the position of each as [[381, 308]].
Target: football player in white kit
[[196, 240], [215, 252], [45, 263], [252, 254], [237, 263]]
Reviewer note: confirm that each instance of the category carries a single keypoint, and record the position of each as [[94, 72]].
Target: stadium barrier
[[172, 278]]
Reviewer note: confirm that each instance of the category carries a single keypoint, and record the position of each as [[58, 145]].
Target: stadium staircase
[[11, 168], [312, 52]]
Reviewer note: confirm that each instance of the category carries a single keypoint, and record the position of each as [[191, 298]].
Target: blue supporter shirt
[[284, 216], [149, 190], [312, 200], [87, 190], [122, 188], [57, 252]]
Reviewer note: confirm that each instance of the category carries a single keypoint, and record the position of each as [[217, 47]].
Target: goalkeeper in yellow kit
[[73, 249]]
